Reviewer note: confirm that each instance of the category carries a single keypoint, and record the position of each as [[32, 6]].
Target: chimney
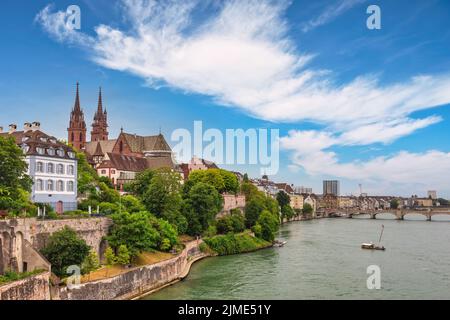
[[35, 126], [27, 126], [12, 128]]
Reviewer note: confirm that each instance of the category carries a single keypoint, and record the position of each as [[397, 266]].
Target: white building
[[52, 166]]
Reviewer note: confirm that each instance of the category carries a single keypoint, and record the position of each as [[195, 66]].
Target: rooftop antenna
[[360, 189]]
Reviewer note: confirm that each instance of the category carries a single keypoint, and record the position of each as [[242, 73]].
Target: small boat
[[371, 246], [279, 244]]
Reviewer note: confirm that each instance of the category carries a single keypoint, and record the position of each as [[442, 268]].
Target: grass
[[10, 276], [144, 258]]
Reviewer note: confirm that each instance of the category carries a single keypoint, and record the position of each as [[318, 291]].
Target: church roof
[[124, 163], [135, 164], [146, 143], [104, 145]]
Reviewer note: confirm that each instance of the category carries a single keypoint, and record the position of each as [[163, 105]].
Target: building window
[[39, 167], [39, 185], [51, 151], [120, 146], [60, 152], [113, 171], [70, 186], [50, 185], [60, 169], [25, 148], [50, 168], [70, 170], [103, 171], [60, 186], [40, 150], [71, 154]]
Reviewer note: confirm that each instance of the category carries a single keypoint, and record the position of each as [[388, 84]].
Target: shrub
[[123, 255], [235, 243], [91, 262], [64, 249], [110, 257]]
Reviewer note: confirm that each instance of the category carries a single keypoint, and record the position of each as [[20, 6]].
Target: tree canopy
[[65, 249]]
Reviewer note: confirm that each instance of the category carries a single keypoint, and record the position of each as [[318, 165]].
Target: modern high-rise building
[[432, 194], [331, 187]]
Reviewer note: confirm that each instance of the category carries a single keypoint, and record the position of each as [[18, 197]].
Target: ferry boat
[[372, 246]]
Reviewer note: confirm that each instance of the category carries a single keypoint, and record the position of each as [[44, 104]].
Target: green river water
[[323, 260]]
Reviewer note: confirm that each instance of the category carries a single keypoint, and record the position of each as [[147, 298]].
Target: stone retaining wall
[[32, 288], [135, 282]]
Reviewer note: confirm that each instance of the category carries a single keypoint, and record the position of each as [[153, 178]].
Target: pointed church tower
[[100, 125], [77, 126]]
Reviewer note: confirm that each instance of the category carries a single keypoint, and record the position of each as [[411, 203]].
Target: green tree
[[15, 184], [134, 231], [140, 184], [200, 207], [269, 225], [110, 257], [123, 255], [87, 176], [168, 235], [307, 209], [224, 225], [283, 199], [91, 262], [249, 190], [253, 209], [221, 180], [287, 212], [64, 249], [394, 204]]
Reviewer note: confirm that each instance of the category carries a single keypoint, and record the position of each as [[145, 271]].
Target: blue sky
[[363, 106]]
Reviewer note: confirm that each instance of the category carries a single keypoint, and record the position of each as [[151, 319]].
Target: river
[[323, 260]]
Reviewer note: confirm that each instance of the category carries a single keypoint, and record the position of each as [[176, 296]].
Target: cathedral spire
[[100, 125], [77, 126], [77, 107], [100, 102]]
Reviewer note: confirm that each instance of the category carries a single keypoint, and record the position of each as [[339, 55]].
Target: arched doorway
[[101, 250], [59, 207]]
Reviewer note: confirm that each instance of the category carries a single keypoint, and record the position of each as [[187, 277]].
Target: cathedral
[[118, 159]]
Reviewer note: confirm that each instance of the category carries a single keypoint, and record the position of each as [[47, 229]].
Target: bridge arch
[[386, 215], [415, 214], [440, 217]]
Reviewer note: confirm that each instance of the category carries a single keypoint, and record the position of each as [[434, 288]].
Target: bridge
[[398, 213]]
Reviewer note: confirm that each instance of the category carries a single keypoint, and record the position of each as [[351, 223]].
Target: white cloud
[[402, 170], [330, 13], [242, 57]]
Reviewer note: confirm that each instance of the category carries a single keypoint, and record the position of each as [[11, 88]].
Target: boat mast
[[381, 234]]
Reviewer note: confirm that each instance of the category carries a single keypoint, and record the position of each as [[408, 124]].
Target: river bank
[[322, 259]]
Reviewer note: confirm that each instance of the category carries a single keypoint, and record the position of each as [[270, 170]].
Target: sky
[[363, 106]]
